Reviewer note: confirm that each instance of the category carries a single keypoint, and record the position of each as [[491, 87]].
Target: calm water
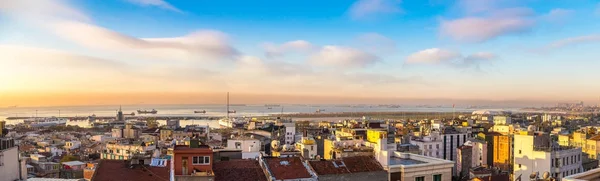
[[211, 110]]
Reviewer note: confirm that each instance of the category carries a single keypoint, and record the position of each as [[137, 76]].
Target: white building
[[10, 165], [502, 120], [479, 152], [98, 138], [409, 167], [535, 153], [71, 145], [308, 147], [290, 132], [249, 145], [37, 158], [590, 175], [430, 145]]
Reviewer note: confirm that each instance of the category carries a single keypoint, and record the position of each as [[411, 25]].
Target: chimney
[[194, 143]]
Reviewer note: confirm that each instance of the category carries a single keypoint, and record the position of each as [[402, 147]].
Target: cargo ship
[[147, 112]]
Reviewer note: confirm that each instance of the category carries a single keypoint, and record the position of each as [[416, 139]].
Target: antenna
[[227, 104]]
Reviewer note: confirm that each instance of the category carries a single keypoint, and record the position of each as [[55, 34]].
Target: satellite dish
[[546, 175], [533, 175]]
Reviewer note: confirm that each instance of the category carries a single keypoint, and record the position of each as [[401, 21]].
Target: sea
[[212, 110]]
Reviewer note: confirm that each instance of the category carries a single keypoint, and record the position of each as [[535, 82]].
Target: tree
[[68, 158]]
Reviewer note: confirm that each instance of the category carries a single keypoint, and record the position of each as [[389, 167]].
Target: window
[[437, 146], [419, 178], [437, 177], [519, 151], [118, 151], [312, 148], [238, 145], [519, 165], [201, 160]]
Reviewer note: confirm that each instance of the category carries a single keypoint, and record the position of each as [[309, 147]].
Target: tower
[[120, 116]]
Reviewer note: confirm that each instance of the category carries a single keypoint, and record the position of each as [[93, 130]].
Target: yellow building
[[579, 139], [501, 150], [592, 147], [564, 140], [308, 147]]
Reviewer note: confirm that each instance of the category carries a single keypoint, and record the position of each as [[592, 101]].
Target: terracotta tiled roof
[[597, 138], [328, 167], [235, 169], [503, 177], [362, 164], [111, 170], [287, 168]]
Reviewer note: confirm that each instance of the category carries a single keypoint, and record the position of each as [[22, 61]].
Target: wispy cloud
[[71, 24], [571, 42], [478, 29], [365, 8], [158, 3], [339, 56], [558, 15], [202, 45], [376, 43], [432, 56], [301, 46], [439, 56]]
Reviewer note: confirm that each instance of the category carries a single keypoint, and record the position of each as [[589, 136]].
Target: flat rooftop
[[404, 161]]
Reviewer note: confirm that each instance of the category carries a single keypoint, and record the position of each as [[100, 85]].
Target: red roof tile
[[111, 170], [287, 168], [362, 164], [235, 169], [328, 167]]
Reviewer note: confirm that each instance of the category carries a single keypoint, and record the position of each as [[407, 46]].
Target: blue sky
[[498, 50]]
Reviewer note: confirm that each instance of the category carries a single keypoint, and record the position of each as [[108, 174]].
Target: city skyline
[[55, 52]]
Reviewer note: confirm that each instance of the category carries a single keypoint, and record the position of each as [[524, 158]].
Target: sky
[[67, 52]]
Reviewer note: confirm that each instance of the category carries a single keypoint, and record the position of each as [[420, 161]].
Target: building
[[72, 170], [345, 147], [71, 145], [591, 175], [480, 152], [288, 168], [195, 160], [409, 167], [11, 167], [308, 147], [290, 132], [248, 144], [464, 160], [111, 170], [500, 152], [430, 145], [502, 120], [233, 170], [125, 150], [128, 132], [535, 153], [357, 168]]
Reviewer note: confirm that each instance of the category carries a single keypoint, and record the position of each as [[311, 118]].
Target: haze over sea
[[217, 110]]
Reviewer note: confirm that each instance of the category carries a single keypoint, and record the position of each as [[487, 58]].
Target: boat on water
[[153, 111], [272, 105], [40, 122], [320, 111], [200, 112], [231, 111]]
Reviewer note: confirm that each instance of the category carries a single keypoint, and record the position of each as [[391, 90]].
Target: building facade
[[535, 153]]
